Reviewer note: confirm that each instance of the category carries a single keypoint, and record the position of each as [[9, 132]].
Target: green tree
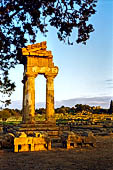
[[5, 114], [21, 20], [40, 111], [72, 110], [13, 112], [81, 107], [110, 110]]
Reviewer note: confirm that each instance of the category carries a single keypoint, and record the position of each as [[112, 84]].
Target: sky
[[84, 70]]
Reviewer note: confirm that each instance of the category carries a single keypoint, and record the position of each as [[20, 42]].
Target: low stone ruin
[[88, 139], [39, 141], [6, 141], [71, 140]]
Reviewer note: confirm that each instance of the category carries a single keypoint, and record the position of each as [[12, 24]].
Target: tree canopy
[[5, 114], [21, 20]]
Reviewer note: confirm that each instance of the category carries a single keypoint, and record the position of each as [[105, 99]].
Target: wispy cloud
[[109, 83], [109, 80]]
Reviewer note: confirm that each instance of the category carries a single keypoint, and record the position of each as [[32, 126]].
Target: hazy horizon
[[103, 101]]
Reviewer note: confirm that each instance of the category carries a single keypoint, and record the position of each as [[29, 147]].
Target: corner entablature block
[[37, 60], [38, 49]]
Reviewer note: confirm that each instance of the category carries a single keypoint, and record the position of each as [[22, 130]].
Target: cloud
[[109, 80], [103, 101], [109, 83]]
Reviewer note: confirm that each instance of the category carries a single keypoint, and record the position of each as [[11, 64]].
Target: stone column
[[50, 116], [28, 99]]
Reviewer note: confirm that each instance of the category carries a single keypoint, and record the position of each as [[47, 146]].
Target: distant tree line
[[6, 113], [81, 108], [78, 108]]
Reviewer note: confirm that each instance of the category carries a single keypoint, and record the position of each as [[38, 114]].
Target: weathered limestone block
[[34, 48], [25, 143], [22, 135], [89, 140], [70, 140]]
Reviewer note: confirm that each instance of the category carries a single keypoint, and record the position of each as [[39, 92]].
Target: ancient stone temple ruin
[[37, 60], [31, 135]]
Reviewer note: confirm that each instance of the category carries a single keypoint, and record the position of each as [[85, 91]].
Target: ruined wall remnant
[[38, 142]]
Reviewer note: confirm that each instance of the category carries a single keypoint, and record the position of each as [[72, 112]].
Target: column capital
[[26, 76], [30, 75], [50, 76]]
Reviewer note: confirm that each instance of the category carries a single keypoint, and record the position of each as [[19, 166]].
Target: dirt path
[[98, 158]]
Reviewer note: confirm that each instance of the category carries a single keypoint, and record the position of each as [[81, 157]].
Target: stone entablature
[[37, 60], [38, 49]]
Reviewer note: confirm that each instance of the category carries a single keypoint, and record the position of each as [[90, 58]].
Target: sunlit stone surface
[[40, 141], [37, 60]]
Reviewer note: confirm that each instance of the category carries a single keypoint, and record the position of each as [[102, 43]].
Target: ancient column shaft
[[50, 99], [29, 100]]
